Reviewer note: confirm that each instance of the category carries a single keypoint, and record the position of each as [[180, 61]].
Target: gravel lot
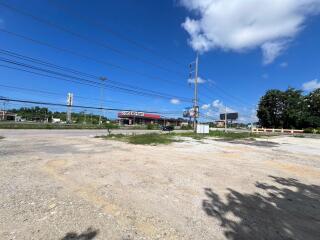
[[58, 184]]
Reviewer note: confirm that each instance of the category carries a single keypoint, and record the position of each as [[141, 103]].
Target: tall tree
[[270, 109], [294, 108], [312, 101], [289, 109]]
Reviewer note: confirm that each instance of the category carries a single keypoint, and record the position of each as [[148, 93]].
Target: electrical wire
[[73, 71], [83, 80], [106, 29], [83, 37], [76, 106], [99, 61]]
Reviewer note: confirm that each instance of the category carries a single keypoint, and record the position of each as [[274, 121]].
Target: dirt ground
[[65, 185]]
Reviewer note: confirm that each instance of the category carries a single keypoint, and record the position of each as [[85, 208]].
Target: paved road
[[71, 132]]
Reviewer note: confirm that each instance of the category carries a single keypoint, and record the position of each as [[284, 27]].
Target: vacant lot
[[70, 185]]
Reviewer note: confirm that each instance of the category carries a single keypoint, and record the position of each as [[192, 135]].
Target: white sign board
[[202, 128], [131, 113]]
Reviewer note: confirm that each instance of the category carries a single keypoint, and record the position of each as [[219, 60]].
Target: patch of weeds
[[233, 135], [299, 136], [220, 134], [118, 137], [192, 135], [152, 139], [143, 139]]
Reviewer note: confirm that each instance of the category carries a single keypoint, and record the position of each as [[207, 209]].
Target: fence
[[275, 130]]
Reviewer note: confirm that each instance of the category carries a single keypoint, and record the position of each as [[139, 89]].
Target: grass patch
[[143, 139], [233, 135], [192, 135], [220, 134], [152, 139], [55, 126], [157, 138], [299, 136]]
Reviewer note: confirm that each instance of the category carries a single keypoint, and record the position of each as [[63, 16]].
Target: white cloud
[[220, 106], [248, 116], [200, 80], [205, 106], [238, 26], [175, 101], [311, 85], [271, 50], [283, 64]]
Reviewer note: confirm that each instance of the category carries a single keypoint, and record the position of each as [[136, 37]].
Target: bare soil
[[67, 185]]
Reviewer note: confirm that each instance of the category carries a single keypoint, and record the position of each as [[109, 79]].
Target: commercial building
[[141, 118], [8, 116], [220, 123]]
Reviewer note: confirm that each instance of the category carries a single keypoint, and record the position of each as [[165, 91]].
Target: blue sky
[[238, 62]]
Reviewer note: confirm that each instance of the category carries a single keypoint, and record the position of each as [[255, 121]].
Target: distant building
[[56, 120], [220, 123], [141, 118], [8, 116]]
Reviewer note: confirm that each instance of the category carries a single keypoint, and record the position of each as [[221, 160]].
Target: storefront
[[141, 118]]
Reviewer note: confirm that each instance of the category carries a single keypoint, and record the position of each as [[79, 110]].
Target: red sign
[[138, 114]]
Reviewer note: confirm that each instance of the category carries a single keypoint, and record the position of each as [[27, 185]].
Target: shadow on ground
[[250, 142], [87, 235], [286, 209]]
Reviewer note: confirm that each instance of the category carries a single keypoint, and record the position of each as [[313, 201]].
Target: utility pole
[[69, 103], [101, 99], [225, 120], [84, 117], [195, 100], [4, 109], [196, 108]]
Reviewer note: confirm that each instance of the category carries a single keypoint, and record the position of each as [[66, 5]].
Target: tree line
[[289, 109], [42, 114]]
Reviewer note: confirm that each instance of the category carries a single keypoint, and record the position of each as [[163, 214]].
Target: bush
[[186, 127], [110, 126], [318, 130], [152, 126], [308, 130]]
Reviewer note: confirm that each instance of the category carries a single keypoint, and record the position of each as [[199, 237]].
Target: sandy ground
[[67, 185]]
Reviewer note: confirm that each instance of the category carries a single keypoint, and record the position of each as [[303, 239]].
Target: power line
[[102, 62], [106, 29], [74, 106], [88, 39], [73, 71], [45, 75], [82, 80], [53, 93]]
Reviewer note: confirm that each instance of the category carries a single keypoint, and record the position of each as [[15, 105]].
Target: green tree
[[312, 101], [293, 109], [270, 109], [289, 109]]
